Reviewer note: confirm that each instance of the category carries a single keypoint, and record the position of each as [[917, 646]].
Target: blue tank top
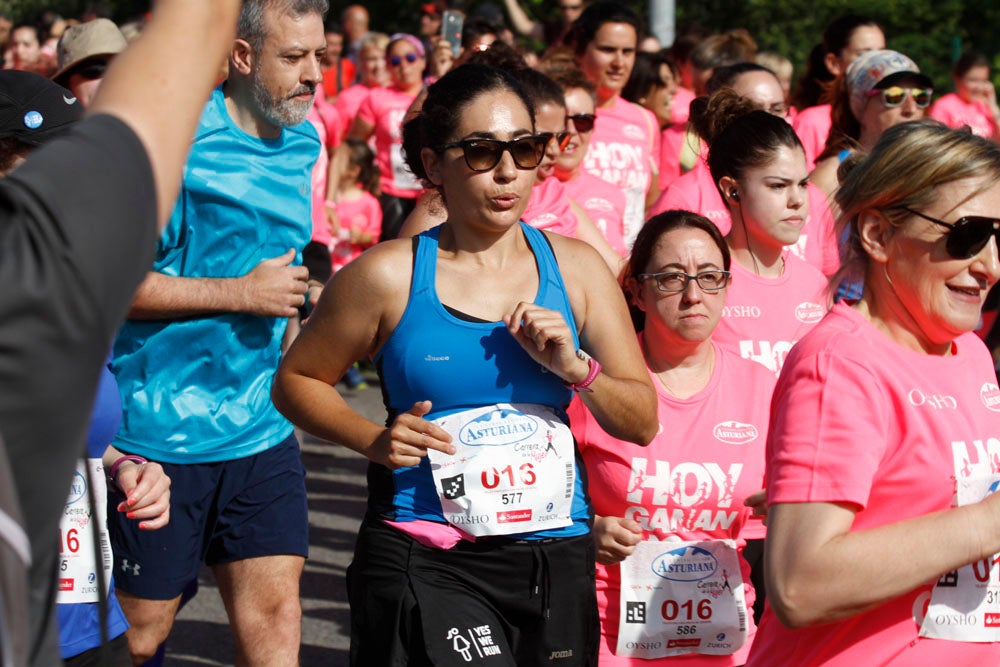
[[459, 364]]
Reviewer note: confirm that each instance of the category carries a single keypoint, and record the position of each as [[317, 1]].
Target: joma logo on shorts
[[559, 655]]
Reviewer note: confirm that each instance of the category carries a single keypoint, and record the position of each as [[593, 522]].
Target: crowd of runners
[[686, 359]]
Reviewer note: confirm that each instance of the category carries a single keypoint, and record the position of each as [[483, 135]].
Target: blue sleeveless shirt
[[459, 364]]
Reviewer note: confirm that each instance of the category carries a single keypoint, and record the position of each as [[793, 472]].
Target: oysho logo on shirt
[[990, 395], [809, 313], [934, 401], [598, 204], [743, 312], [634, 132], [735, 433]]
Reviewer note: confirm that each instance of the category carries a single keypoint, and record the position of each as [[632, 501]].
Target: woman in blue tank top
[[476, 545]]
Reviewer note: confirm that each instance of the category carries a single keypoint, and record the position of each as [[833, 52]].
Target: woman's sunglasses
[[583, 122], [562, 138], [484, 154], [967, 235], [893, 96], [396, 61]]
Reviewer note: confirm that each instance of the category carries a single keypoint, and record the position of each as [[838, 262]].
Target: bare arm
[[273, 288], [623, 400], [429, 212], [359, 307], [194, 37], [587, 231], [818, 571], [361, 130], [522, 23]]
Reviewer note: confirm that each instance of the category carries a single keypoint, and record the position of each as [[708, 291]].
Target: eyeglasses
[[562, 138], [967, 235], [672, 282], [893, 96], [91, 71], [583, 122], [484, 154], [396, 61]]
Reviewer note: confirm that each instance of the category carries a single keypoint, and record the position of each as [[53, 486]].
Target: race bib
[[513, 470], [965, 603], [77, 566], [681, 597], [401, 174]]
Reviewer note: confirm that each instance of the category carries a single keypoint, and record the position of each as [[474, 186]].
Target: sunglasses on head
[[561, 138], [484, 154], [893, 96], [967, 235], [396, 61], [583, 122]]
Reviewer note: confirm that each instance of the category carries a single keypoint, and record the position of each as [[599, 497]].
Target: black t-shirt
[[77, 235]]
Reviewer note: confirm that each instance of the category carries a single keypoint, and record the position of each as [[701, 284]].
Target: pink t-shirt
[[954, 112], [858, 419], [326, 120], [690, 481], [348, 102], [604, 203], [764, 317], [384, 109], [365, 213], [623, 150], [813, 124], [548, 208], [696, 191]]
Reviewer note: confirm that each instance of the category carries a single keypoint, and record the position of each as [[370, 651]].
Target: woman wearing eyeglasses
[[382, 114], [878, 90], [476, 541], [671, 577], [883, 523]]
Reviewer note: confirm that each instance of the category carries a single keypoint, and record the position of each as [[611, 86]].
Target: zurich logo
[[498, 428], [33, 120], [685, 564]]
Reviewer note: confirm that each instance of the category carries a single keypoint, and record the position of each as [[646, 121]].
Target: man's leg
[[262, 598], [149, 623]]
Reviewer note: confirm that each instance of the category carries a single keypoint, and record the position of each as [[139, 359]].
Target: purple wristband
[[113, 470]]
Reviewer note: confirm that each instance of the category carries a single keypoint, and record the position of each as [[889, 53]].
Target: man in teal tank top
[[196, 358]]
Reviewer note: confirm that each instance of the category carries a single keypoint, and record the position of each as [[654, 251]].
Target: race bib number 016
[[77, 566], [681, 597], [513, 470]]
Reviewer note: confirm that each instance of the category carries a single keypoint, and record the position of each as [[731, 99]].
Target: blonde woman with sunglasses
[[477, 537], [882, 458]]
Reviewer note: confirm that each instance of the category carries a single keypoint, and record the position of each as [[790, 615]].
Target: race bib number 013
[[513, 470], [77, 566], [681, 597]]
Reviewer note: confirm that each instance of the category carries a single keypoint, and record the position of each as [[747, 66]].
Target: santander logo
[[990, 395], [809, 313], [735, 433]]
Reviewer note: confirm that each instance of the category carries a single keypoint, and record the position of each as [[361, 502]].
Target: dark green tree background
[[932, 32]]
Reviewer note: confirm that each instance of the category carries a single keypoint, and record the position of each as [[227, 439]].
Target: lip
[[505, 201], [968, 294], [796, 220], [545, 170]]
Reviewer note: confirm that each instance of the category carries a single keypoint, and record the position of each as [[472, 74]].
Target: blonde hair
[[904, 169]]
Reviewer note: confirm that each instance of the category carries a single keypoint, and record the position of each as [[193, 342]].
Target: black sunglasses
[[967, 235], [484, 154], [396, 61], [91, 71], [583, 122], [562, 138]]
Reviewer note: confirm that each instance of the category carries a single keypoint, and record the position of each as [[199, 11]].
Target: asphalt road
[[336, 487]]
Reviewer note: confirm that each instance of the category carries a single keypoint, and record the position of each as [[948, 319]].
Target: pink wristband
[[113, 470], [595, 370]]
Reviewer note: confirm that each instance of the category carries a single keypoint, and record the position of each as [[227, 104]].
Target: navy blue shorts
[[219, 513]]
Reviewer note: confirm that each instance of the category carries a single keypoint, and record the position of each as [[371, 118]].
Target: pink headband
[[417, 45]]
